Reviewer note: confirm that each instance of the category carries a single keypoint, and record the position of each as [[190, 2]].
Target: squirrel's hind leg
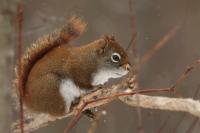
[[44, 96]]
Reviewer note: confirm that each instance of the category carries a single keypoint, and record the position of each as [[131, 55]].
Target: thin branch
[[133, 27], [163, 41], [192, 126], [107, 99], [163, 103], [163, 125], [76, 118], [106, 95], [20, 12], [186, 73], [196, 92], [179, 122], [94, 123]]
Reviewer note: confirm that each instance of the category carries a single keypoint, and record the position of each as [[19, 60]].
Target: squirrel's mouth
[[119, 74], [104, 74], [123, 70]]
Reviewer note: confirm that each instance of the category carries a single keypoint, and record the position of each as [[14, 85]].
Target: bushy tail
[[73, 29]]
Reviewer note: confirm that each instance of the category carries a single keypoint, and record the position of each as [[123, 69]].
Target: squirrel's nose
[[127, 66]]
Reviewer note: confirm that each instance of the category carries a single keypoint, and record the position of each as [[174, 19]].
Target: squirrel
[[55, 73]]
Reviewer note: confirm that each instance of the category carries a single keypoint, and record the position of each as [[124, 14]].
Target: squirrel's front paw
[[132, 83]]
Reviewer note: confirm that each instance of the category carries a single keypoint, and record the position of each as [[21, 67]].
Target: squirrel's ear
[[109, 38], [104, 46]]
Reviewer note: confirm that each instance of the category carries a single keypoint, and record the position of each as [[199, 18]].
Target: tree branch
[[106, 95], [165, 103]]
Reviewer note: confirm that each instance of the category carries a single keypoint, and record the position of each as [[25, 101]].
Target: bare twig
[[107, 99], [191, 128], [106, 95], [163, 41], [133, 27], [196, 92], [19, 52], [135, 55], [163, 125], [94, 123], [179, 123], [186, 73], [163, 103]]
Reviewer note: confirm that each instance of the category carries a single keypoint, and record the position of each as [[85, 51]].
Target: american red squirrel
[[54, 73]]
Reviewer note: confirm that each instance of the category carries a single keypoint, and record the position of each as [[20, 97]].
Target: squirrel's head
[[112, 61]]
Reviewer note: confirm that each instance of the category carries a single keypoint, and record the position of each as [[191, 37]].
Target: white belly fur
[[69, 91], [104, 74]]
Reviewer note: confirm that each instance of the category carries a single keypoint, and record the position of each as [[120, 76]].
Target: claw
[[132, 84]]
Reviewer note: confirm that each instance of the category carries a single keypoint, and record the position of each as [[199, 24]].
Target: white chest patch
[[104, 74], [69, 91]]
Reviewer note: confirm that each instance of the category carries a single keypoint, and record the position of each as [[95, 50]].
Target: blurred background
[[153, 20]]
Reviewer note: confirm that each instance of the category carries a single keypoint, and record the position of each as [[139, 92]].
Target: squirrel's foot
[[132, 83]]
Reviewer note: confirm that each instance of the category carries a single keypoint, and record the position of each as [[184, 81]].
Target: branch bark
[[165, 103]]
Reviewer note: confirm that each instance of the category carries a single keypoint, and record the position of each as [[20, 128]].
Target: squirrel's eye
[[115, 57]]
